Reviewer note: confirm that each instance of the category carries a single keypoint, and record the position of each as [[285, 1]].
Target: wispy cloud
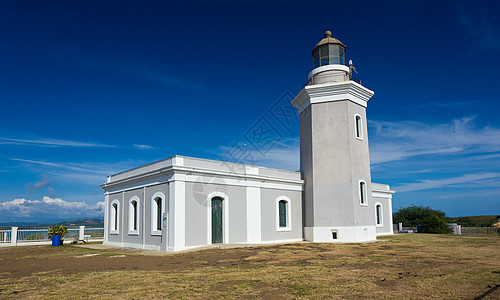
[[47, 142], [395, 141], [93, 173], [440, 183], [69, 166], [283, 155], [31, 187], [80, 177], [391, 141], [485, 195], [37, 162], [146, 72], [35, 210], [142, 147]]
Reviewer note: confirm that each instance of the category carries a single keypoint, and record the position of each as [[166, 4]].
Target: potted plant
[[56, 233]]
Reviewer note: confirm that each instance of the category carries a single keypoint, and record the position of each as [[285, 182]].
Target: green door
[[216, 220]]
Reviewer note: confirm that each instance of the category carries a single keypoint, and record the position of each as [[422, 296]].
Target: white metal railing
[[72, 234], [32, 235], [95, 233], [5, 236], [15, 236]]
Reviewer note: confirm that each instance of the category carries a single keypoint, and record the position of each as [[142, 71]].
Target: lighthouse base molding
[[340, 234]]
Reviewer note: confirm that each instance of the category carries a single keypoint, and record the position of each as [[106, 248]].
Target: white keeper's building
[[183, 202]]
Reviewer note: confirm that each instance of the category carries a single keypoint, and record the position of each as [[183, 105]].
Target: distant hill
[[89, 223], [475, 221], [84, 222]]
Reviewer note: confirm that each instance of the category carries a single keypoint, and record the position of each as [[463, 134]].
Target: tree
[[435, 224], [431, 220]]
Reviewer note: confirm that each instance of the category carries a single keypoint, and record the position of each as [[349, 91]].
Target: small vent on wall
[[334, 234]]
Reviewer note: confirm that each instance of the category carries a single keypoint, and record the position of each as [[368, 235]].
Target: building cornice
[[186, 171], [378, 193], [331, 92]]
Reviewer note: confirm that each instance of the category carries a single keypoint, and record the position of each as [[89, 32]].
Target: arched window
[[378, 211], [158, 213], [282, 206], [133, 215], [115, 216], [362, 193], [283, 222], [157, 210], [359, 127]]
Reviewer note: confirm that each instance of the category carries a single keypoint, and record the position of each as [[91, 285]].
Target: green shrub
[[432, 221], [435, 224], [57, 230]]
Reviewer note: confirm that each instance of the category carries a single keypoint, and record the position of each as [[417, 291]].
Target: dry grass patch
[[405, 267]]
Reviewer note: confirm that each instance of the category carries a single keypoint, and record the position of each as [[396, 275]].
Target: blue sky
[[91, 88]]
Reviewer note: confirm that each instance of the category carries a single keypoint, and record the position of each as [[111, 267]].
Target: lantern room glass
[[329, 55]]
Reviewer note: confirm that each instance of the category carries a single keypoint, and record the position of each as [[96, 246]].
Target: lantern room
[[329, 51], [329, 62]]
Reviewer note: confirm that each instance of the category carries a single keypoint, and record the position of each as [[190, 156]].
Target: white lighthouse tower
[[334, 157]]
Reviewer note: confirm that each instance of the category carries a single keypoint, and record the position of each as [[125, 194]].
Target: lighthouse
[[334, 155], [182, 202]]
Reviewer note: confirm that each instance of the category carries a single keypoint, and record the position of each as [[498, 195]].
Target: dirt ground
[[404, 267], [25, 261]]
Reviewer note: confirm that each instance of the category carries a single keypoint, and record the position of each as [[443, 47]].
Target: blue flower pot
[[56, 240]]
